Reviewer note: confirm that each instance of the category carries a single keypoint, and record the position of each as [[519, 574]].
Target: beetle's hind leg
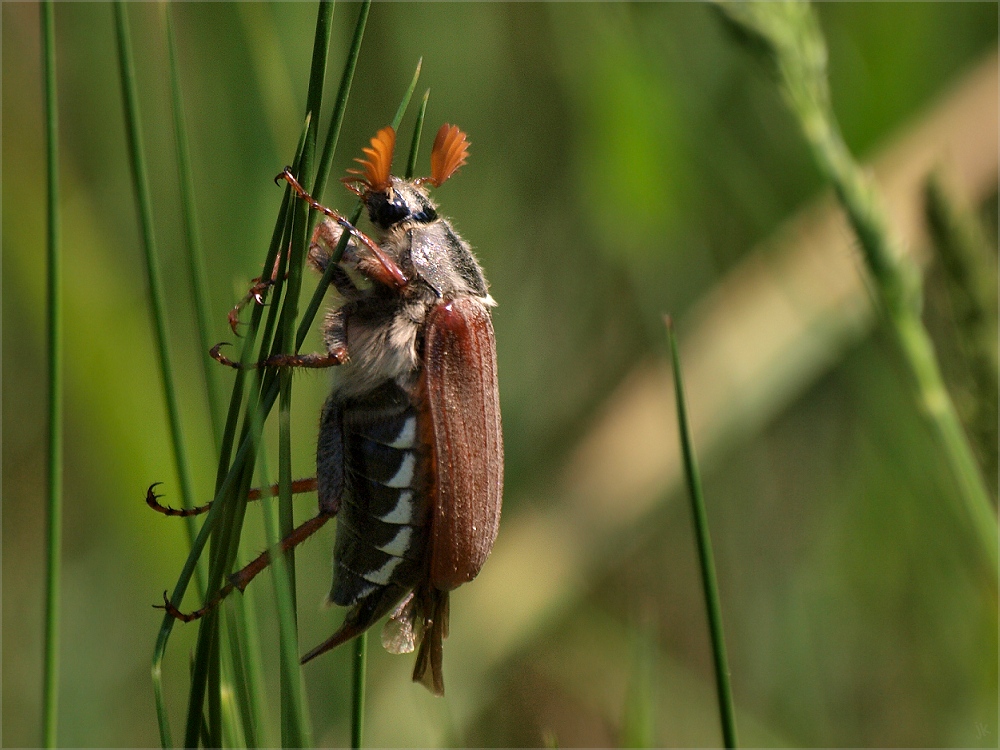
[[152, 499], [241, 578], [433, 608]]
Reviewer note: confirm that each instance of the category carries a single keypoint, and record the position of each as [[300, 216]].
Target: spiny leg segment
[[152, 499], [391, 275], [241, 578], [331, 359]]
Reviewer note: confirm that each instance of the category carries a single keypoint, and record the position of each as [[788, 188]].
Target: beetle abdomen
[[382, 522]]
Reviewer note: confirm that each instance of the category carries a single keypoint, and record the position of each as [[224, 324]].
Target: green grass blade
[[418, 127], [295, 731], [155, 288], [639, 715], [340, 103], [248, 671], [358, 689], [707, 563], [401, 109], [970, 273], [234, 478], [295, 727], [236, 662], [229, 503], [54, 341], [248, 694], [300, 729], [232, 712], [195, 254], [792, 45], [159, 700]]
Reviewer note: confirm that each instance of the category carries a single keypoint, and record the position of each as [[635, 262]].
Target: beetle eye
[[384, 211], [426, 216]]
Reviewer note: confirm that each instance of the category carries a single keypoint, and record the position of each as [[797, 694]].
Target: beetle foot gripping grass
[[410, 453]]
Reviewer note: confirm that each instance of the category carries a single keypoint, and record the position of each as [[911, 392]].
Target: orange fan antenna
[[450, 151], [375, 174]]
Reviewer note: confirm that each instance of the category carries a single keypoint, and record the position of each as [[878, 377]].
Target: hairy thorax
[[382, 330]]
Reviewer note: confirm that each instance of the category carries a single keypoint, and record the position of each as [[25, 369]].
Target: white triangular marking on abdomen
[[407, 435], [403, 512], [400, 543], [404, 475], [383, 574]]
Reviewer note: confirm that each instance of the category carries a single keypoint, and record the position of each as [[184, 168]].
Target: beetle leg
[[386, 271], [241, 578], [325, 239], [152, 499], [330, 359], [433, 608], [256, 293], [330, 457]]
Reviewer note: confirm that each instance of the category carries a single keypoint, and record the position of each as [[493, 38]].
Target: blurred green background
[[624, 159]]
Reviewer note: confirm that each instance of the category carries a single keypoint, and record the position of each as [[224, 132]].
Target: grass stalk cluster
[[226, 670], [225, 700]]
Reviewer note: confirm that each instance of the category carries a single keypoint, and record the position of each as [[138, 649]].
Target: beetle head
[[390, 199]]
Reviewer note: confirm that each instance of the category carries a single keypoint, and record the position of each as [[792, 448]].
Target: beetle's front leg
[[383, 269], [258, 289]]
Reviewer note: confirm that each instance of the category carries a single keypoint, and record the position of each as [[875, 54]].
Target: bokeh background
[[626, 160]]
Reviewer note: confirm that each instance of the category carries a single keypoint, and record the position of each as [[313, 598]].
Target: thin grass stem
[[792, 44], [233, 479], [418, 127], [293, 732], [237, 663], [397, 119], [970, 273], [727, 715], [297, 732], [294, 716], [360, 661], [195, 255], [340, 103], [226, 483], [639, 716], [233, 714], [54, 342], [140, 180]]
